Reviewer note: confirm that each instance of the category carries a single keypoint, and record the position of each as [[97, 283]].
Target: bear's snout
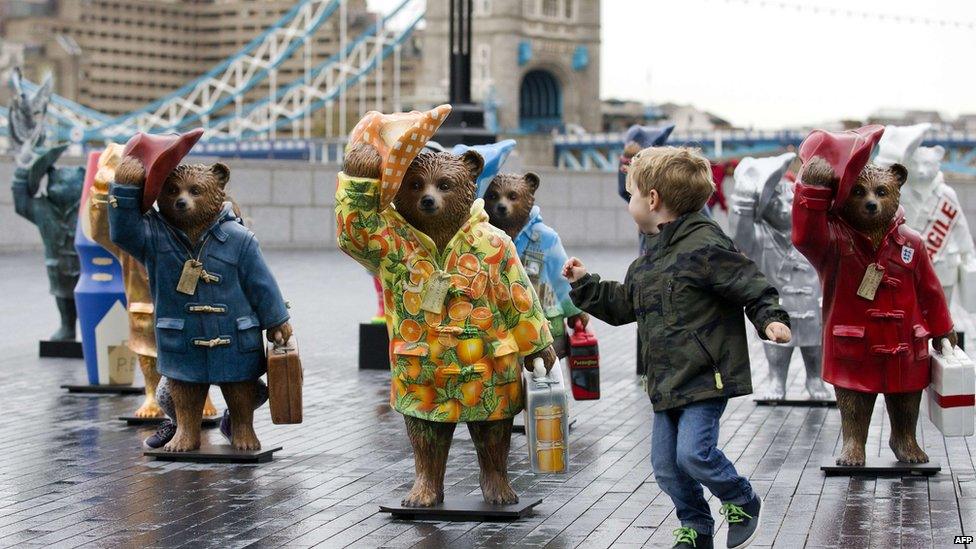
[[871, 206], [428, 204], [501, 209], [181, 204]]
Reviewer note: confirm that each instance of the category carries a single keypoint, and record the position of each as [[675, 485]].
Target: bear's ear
[[900, 173], [473, 162], [221, 173], [533, 180]]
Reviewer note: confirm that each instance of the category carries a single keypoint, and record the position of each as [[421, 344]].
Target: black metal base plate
[[207, 422], [463, 509], [222, 453], [880, 467], [106, 389], [374, 346], [795, 402], [60, 349], [520, 427]]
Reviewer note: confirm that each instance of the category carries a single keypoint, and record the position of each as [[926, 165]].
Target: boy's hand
[[574, 269], [777, 332]]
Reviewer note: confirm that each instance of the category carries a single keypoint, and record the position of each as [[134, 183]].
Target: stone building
[[536, 61]]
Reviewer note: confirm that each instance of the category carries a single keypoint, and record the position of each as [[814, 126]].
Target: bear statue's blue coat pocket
[[248, 333], [169, 333]]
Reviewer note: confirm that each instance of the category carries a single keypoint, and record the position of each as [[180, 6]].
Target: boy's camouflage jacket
[[687, 293]]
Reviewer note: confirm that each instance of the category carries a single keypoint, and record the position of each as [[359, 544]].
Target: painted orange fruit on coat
[[412, 302], [459, 309], [482, 317], [499, 411], [420, 271], [388, 300], [471, 350], [433, 319], [504, 362], [521, 298], [526, 335], [471, 392], [501, 293], [458, 281], [410, 330], [425, 395], [413, 367], [451, 409], [478, 285], [448, 340], [468, 265]]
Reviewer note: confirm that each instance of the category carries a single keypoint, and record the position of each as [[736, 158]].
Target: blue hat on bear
[[494, 155], [647, 136]]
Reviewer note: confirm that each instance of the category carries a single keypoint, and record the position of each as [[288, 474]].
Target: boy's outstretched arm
[[737, 279], [607, 300]]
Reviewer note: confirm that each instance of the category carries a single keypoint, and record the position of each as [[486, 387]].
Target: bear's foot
[[244, 438], [64, 333], [183, 442], [423, 494], [907, 450], [496, 489], [817, 389], [852, 454], [149, 408], [774, 391], [209, 410]]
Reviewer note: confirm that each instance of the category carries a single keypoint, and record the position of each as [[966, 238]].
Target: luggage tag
[[435, 292], [869, 284], [192, 271]]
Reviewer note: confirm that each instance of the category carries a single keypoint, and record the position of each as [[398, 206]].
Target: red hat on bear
[[159, 155], [847, 153]]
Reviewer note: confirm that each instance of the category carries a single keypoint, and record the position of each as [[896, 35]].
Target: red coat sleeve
[[931, 298], [811, 227]]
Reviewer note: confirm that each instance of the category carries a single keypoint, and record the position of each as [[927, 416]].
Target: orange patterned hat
[[398, 138]]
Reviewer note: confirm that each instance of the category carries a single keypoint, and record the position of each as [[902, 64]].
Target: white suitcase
[[546, 419], [951, 395]]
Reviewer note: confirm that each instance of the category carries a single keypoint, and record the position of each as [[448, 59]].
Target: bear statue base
[[106, 389], [374, 346], [215, 453], [810, 402], [880, 467], [207, 422], [463, 509], [60, 349]]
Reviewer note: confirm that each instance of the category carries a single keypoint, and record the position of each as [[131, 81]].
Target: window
[[550, 8], [482, 7]]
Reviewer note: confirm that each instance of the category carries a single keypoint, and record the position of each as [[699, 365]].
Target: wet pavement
[[71, 474]]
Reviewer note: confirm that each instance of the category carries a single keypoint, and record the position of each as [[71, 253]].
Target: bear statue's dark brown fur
[[435, 197], [509, 200], [437, 192], [870, 209], [191, 200]]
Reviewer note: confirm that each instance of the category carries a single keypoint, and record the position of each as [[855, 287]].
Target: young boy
[[687, 292]]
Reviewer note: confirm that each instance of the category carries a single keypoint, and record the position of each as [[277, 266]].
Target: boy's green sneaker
[[689, 538], [743, 522]]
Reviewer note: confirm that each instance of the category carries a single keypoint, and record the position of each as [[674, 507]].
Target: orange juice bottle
[[546, 419]]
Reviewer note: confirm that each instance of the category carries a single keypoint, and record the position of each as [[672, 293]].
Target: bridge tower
[[534, 62]]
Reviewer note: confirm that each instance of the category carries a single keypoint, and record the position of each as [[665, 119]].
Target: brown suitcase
[[285, 383]]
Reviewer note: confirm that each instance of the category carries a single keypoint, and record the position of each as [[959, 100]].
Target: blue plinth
[[100, 300]]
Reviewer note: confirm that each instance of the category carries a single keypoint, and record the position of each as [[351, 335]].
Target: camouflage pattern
[[687, 293]]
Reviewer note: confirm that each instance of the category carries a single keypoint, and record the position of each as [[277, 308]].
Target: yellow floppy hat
[[398, 138]]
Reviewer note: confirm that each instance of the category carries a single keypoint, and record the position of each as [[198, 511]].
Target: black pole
[[459, 37]]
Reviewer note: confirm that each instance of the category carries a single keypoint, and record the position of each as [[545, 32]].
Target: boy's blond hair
[[681, 175]]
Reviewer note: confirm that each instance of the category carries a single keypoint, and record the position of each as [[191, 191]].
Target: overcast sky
[[768, 67]]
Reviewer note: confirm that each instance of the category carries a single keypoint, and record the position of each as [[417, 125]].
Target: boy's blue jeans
[[685, 458]]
